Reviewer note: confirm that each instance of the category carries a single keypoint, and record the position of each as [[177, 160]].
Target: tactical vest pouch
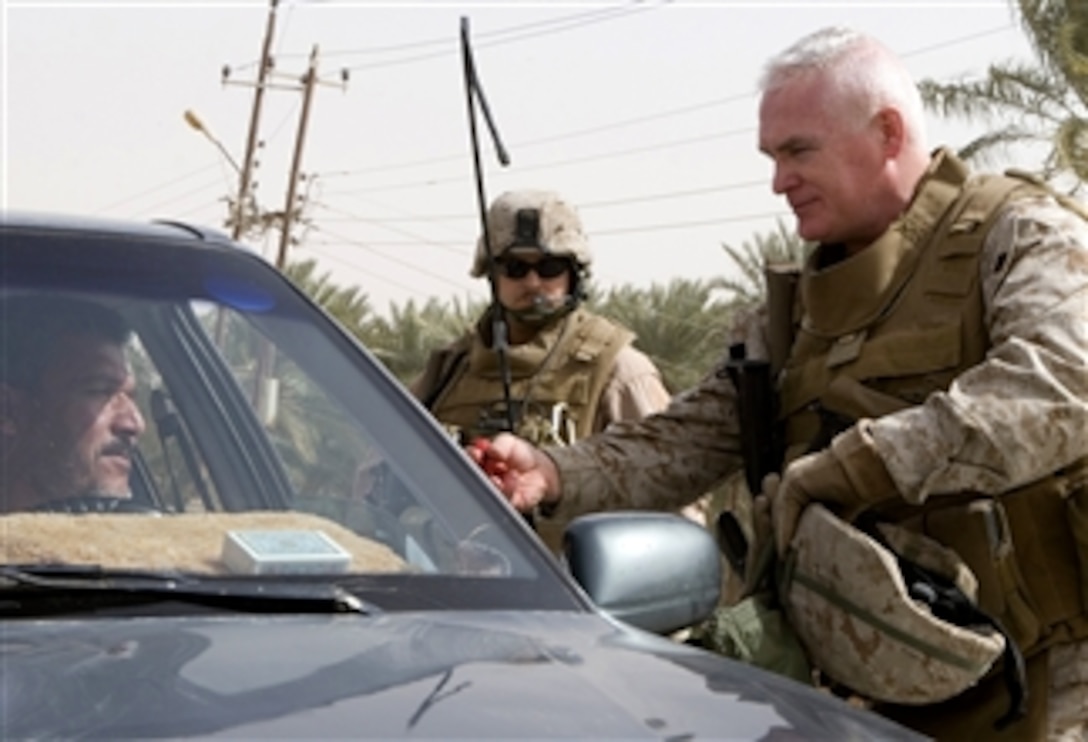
[[979, 532], [1029, 550], [1078, 521], [1046, 550]]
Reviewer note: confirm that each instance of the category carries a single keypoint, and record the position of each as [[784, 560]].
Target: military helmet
[[870, 629], [533, 220]]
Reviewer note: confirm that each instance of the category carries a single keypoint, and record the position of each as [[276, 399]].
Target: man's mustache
[[118, 447]]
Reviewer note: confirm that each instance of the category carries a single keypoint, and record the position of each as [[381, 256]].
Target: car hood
[[407, 675]]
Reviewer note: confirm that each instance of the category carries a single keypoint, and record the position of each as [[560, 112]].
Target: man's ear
[[12, 402], [889, 122]]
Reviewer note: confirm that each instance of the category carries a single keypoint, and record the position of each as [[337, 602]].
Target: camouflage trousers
[[1067, 707]]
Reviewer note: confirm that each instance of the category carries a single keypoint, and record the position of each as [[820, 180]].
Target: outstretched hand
[[519, 470]]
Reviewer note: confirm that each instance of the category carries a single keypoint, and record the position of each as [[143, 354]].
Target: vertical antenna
[[474, 95]]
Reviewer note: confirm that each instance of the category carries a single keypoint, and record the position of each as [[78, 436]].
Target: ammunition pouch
[[1078, 520], [1029, 551]]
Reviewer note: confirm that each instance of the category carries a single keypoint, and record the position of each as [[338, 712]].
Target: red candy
[[492, 467]]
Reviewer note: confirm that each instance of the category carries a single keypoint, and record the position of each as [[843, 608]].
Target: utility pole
[[245, 178], [290, 209], [241, 220]]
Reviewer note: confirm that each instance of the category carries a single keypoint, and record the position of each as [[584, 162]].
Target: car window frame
[[82, 261]]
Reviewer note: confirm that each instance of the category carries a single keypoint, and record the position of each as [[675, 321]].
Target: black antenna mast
[[474, 95]]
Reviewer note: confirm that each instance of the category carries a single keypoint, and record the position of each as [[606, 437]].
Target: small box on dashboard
[[283, 552]]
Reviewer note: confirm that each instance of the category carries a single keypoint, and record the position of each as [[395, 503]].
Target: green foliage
[[1043, 103], [405, 340], [680, 325], [349, 306], [779, 246], [320, 458]]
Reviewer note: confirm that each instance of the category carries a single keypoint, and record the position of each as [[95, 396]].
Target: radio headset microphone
[[543, 303], [551, 305]]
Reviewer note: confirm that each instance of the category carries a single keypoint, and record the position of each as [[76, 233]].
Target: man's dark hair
[[31, 326]]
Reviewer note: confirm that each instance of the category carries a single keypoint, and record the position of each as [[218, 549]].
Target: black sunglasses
[[549, 267]]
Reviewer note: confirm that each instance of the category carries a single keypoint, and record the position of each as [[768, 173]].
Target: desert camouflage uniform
[[545, 370], [632, 390], [1019, 415]]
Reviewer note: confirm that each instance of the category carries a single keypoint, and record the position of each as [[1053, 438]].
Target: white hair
[[864, 72]]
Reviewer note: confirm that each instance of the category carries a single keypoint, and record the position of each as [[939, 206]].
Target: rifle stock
[[757, 411]]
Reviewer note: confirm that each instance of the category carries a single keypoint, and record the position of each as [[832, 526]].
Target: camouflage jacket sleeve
[[633, 391], [1023, 412], [661, 462]]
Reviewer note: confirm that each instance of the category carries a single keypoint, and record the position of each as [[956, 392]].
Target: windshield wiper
[[49, 590]]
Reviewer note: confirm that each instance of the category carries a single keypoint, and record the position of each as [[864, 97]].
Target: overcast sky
[[642, 114]]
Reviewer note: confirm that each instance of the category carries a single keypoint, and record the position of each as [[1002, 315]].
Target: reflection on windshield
[[223, 423]]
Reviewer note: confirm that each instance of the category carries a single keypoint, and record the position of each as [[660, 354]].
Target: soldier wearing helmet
[[572, 373], [934, 379]]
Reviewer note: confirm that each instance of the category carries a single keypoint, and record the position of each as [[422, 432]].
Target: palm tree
[[779, 246], [349, 306], [1046, 103], [679, 325], [405, 340]]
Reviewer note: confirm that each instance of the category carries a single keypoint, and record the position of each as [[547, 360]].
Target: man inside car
[[68, 416]]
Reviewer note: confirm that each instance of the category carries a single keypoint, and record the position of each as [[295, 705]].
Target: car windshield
[[273, 448]]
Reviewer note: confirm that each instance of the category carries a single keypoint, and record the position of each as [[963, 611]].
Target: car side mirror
[[657, 571]]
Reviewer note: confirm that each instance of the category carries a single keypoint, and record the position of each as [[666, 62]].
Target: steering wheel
[[95, 504]]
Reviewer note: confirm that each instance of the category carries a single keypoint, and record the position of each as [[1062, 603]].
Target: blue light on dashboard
[[239, 293]]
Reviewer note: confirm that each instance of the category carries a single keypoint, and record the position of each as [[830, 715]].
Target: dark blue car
[[301, 552]]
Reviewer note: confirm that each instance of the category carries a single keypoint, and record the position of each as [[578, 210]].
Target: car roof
[[76, 224]]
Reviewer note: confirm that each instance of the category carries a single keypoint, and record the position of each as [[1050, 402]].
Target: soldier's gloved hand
[[848, 476]]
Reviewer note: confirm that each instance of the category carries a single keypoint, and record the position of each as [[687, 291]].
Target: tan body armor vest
[[900, 320], [556, 381]]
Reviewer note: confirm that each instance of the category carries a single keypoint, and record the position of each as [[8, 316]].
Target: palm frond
[[1029, 103]]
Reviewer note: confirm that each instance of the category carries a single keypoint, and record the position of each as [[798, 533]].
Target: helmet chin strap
[[544, 310]]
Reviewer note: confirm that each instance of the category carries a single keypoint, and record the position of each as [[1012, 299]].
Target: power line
[[203, 189], [362, 269], [445, 46], [582, 206], [551, 139], [668, 113], [689, 224], [156, 188], [959, 40], [574, 134], [417, 241], [386, 225], [369, 247], [613, 232], [643, 149]]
